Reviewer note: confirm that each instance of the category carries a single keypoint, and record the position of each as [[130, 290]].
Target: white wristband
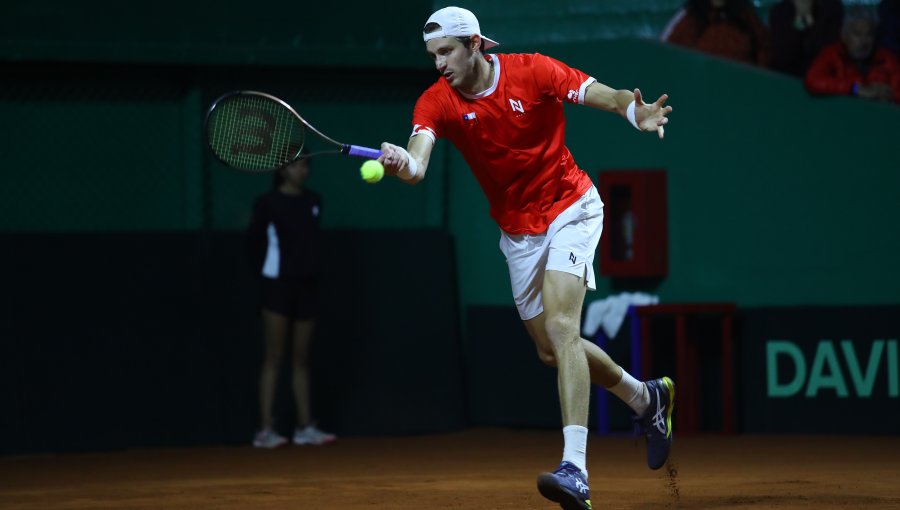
[[629, 112], [412, 168]]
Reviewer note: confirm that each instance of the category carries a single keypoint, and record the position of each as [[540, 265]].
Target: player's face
[[859, 37], [452, 59]]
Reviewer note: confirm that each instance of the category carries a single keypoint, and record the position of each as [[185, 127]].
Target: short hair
[[277, 178], [859, 13], [466, 41]]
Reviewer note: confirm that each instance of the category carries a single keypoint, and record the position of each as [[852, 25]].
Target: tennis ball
[[371, 171]]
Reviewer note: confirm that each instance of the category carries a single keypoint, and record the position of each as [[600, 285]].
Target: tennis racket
[[257, 132]]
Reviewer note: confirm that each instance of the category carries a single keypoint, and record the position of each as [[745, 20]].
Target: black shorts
[[296, 299]]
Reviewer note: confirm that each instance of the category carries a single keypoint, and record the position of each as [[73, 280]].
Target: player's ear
[[475, 42]]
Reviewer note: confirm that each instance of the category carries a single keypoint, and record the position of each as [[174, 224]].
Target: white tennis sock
[[632, 392], [575, 446]]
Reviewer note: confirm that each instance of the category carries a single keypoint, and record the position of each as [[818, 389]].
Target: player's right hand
[[392, 157]]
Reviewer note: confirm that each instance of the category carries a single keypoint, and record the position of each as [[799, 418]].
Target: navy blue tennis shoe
[[566, 486], [656, 423]]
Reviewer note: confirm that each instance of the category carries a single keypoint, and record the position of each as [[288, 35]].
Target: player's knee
[[561, 328]]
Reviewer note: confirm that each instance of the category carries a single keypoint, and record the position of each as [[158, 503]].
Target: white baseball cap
[[456, 22]]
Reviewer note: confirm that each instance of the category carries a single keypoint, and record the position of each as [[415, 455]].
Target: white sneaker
[[312, 435], [268, 438]]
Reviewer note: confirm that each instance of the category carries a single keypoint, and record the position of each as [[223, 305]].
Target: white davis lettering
[[787, 373]]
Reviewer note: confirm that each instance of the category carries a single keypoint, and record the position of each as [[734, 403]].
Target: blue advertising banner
[[820, 370]]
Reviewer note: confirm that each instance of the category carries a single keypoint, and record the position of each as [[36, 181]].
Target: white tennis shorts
[[568, 245]]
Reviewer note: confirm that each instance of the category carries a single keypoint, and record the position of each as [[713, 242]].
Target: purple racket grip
[[361, 152]]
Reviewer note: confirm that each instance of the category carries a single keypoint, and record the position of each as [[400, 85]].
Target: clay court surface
[[478, 469]]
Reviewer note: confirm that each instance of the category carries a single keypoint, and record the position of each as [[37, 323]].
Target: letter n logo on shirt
[[516, 105]]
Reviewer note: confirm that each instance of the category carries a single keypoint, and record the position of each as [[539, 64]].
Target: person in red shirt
[[856, 66], [725, 28], [504, 113]]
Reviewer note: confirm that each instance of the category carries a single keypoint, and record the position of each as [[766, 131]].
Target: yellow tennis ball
[[371, 171]]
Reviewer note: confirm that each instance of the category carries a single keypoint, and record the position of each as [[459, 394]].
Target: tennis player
[[504, 113]]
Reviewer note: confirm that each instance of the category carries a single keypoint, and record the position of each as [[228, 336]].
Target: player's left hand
[[651, 117]]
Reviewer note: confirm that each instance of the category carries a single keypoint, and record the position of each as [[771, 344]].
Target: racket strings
[[254, 133]]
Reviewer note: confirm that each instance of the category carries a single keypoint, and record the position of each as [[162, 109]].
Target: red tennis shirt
[[513, 137]]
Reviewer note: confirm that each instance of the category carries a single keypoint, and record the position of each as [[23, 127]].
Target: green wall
[[112, 147], [775, 198], [266, 32], [91, 148]]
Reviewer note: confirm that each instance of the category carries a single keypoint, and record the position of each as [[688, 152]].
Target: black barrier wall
[[821, 370], [127, 340]]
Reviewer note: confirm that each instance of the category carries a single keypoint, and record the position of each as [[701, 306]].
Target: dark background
[[129, 314]]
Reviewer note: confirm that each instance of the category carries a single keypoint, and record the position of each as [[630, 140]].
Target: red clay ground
[[479, 469]]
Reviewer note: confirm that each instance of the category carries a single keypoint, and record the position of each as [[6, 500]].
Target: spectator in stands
[[800, 29], [726, 28], [889, 25], [856, 66]]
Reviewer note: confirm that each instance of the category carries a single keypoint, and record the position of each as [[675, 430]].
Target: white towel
[[609, 313]]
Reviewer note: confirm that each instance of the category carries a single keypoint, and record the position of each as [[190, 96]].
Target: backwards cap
[[456, 22]]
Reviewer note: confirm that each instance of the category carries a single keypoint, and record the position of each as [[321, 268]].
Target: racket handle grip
[[360, 152]]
